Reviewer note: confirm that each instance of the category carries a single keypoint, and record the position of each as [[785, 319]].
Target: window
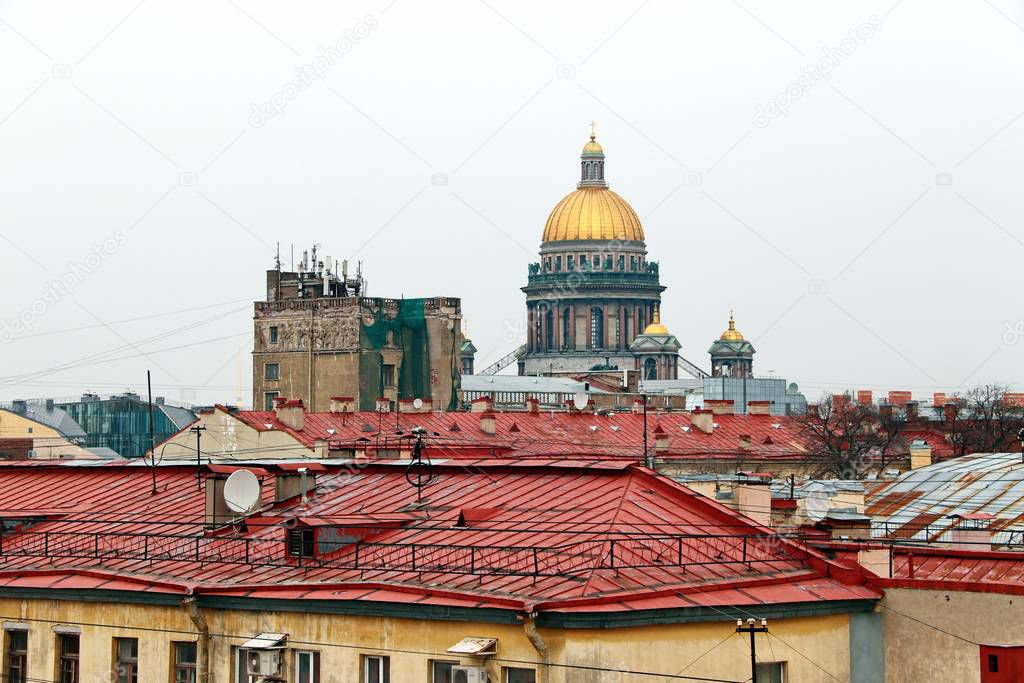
[[622, 262], [301, 542], [17, 656], [607, 262], [770, 672], [570, 264], [441, 672], [513, 675], [126, 660], [185, 662], [376, 669], [273, 334], [307, 666], [558, 263], [993, 664], [67, 653], [240, 675], [597, 262], [268, 399], [596, 328], [565, 329], [549, 330], [271, 371], [650, 369], [632, 262], [387, 375]]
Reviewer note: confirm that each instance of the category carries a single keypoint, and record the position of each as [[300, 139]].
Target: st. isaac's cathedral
[[593, 299]]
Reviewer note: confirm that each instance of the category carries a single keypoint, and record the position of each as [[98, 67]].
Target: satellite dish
[[242, 491], [580, 399], [817, 505], [417, 403]]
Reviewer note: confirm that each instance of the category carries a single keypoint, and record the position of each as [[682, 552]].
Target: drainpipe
[[199, 621], [530, 628]]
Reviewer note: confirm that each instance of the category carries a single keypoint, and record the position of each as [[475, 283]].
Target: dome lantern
[[592, 162]]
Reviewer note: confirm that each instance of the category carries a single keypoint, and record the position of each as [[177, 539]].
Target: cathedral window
[[596, 328], [650, 369], [622, 262], [558, 263], [632, 262], [569, 264], [549, 330], [597, 262], [607, 262]]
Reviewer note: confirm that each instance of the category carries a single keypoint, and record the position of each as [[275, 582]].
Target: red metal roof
[[562, 537]]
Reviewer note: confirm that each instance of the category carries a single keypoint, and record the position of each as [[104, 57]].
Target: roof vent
[[367, 427], [454, 427], [514, 427]]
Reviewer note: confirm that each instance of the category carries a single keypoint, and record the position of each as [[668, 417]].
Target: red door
[[1002, 664]]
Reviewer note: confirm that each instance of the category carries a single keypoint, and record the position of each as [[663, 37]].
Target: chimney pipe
[[702, 420]]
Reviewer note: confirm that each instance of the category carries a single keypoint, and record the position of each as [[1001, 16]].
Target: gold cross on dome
[[593, 130]]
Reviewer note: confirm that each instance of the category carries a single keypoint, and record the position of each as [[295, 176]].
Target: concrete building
[[317, 336], [39, 430]]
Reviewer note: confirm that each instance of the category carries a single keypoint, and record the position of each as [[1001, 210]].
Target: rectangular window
[[184, 659], [441, 672], [240, 675], [17, 656], [570, 264], [67, 653], [268, 399], [622, 262], [558, 263], [271, 371], [126, 660], [307, 666], [301, 542], [597, 261], [771, 672], [376, 669], [993, 664], [273, 334], [387, 375], [607, 262], [513, 675]]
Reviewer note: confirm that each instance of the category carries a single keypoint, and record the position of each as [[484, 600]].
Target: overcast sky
[[846, 176]]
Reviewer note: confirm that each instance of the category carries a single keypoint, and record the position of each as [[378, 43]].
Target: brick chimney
[[488, 422], [840, 401], [532, 405], [865, 397], [972, 531], [408, 405], [383, 405], [638, 406], [753, 497], [920, 454], [290, 413], [899, 398], [759, 407], [911, 409], [719, 406], [746, 442], [949, 413], [660, 440], [342, 404], [481, 405], [938, 399], [702, 420]]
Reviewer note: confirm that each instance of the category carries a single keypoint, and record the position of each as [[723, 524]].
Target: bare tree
[[983, 420], [846, 439]]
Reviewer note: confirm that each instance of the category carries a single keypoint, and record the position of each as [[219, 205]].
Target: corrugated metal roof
[[991, 483]]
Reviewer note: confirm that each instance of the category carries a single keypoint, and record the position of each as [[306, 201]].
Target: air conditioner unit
[[262, 662], [469, 674]]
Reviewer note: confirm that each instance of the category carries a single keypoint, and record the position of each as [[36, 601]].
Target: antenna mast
[[152, 439]]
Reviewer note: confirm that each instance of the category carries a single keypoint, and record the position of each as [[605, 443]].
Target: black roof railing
[[661, 551]]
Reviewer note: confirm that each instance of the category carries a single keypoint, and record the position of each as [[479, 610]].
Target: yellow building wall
[[710, 649], [48, 443], [229, 436], [916, 651]]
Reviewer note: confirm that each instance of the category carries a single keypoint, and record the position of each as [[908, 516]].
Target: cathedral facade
[[593, 298]]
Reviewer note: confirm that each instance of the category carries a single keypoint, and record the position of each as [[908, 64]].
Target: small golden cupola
[[656, 326], [731, 334]]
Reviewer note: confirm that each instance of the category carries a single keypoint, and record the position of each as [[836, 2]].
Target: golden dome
[[593, 213], [731, 334], [656, 327], [593, 147]]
